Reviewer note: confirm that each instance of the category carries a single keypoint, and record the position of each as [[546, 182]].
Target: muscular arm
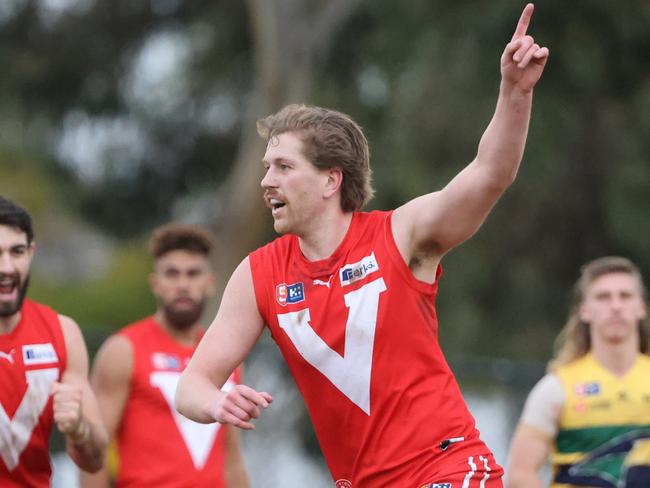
[[535, 433], [76, 413], [435, 223], [111, 379], [224, 346]]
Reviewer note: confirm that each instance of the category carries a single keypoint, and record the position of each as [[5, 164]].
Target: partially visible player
[[349, 296], [592, 410], [43, 370], [136, 372]]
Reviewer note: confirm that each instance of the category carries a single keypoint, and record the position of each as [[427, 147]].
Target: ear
[[334, 181]]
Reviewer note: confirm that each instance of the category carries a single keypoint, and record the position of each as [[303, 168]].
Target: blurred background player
[[43, 370], [137, 369], [592, 409]]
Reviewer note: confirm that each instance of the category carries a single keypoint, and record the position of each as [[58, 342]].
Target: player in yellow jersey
[[591, 412]]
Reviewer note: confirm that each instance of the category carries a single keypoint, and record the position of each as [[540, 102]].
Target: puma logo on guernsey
[[323, 283], [8, 356]]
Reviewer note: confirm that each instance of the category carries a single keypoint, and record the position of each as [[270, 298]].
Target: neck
[[617, 358], [186, 337], [325, 235], [8, 324]]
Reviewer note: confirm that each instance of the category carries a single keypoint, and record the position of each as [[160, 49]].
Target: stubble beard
[[9, 309], [185, 318]]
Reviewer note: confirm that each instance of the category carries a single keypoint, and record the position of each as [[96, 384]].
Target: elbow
[[179, 404], [500, 181]]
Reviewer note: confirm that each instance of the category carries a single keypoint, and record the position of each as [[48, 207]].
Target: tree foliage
[[144, 110]]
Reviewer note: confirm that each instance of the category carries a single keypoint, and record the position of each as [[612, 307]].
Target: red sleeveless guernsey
[[360, 335], [156, 445], [32, 357]]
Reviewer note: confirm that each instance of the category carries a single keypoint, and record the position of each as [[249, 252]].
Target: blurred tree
[[148, 106]]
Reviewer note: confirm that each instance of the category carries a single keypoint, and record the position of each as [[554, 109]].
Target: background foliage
[[117, 115]]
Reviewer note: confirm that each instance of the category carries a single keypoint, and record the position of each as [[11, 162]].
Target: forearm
[[87, 446], [100, 479], [196, 397], [524, 480], [236, 477], [502, 144]]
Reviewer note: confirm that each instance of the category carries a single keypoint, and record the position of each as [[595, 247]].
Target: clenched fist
[[67, 402]]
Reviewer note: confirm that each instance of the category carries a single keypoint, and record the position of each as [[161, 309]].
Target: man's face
[[15, 259], [294, 188], [613, 306], [182, 282]]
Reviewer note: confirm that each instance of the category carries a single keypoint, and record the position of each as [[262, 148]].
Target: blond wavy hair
[[330, 139], [574, 340]]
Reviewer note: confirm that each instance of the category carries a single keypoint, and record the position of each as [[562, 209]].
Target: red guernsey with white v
[[32, 357], [360, 335]]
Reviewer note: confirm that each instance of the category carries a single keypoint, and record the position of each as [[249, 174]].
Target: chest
[[598, 400]]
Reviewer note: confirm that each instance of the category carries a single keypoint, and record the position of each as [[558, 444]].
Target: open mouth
[[275, 204], [8, 289]]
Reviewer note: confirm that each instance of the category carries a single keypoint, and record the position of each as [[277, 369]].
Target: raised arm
[[75, 409], [110, 380], [437, 222], [230, 337]]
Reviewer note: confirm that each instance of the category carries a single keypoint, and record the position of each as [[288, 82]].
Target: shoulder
[[279, 244], [137, 329], [576, 367], [71, 331], [115, 355]]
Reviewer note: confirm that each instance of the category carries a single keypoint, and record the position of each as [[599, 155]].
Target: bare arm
[[111, 379], [234, 468], [224, 346], [536, 432], [528, 453], [76, 413], [435, 223]]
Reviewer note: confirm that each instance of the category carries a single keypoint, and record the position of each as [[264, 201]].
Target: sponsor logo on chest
[[39, 354], [293, 293], [351, 273], [164, 361], [587, 389]]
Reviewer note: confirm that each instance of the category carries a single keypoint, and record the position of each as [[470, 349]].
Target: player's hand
[[240, 405], [67, 406], [523, 60]]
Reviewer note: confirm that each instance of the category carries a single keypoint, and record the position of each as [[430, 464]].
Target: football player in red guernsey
[[136, 372], [43, 370], [349, 296]]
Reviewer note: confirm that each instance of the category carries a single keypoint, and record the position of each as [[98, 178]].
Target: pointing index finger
[[524, 22]]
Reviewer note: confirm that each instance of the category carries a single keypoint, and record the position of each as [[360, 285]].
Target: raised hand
[[67, 405], [240, 405], [523, 60]]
